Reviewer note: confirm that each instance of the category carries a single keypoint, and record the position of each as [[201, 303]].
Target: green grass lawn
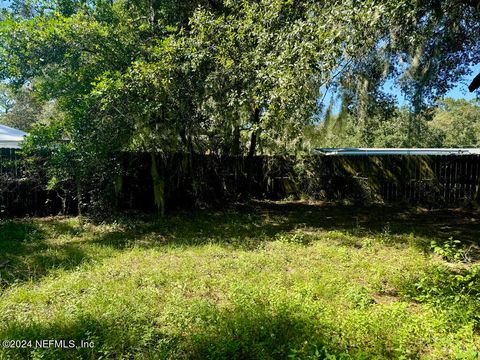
[[266, 281]]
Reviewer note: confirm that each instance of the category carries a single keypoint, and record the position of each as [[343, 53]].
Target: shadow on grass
[[247, 226], [376, 219], [207, 333], [25, 253], [258, 333]]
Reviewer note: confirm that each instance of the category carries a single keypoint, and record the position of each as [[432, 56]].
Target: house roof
[[397, 151], [10, 137]]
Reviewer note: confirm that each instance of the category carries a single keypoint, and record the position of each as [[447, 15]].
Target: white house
[[11, 138]]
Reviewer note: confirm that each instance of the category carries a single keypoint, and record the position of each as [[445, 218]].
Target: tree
[[459, 120], [24, 109], [267, 68], [424, 47], [6, 99], [229, 77], [251, 88], [77, 51]]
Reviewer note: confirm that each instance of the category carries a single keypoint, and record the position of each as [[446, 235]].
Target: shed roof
[[10, 137], [398, 151]]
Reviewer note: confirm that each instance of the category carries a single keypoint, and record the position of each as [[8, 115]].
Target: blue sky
[[459, 91]]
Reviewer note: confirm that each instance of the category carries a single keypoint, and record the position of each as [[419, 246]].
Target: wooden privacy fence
[[20, 195], [437, 179], [434, 180], [430, 180], [186, 180]]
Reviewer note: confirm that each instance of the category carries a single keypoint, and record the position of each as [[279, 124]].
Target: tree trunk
[[251, 151], [158, 186], [253, 137], [236, 147], [79, 197]]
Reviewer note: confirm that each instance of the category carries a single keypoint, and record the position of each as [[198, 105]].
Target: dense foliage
[[222, 76], [453, 123]]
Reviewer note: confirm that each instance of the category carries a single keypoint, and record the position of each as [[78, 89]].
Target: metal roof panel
[[398, 151]]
